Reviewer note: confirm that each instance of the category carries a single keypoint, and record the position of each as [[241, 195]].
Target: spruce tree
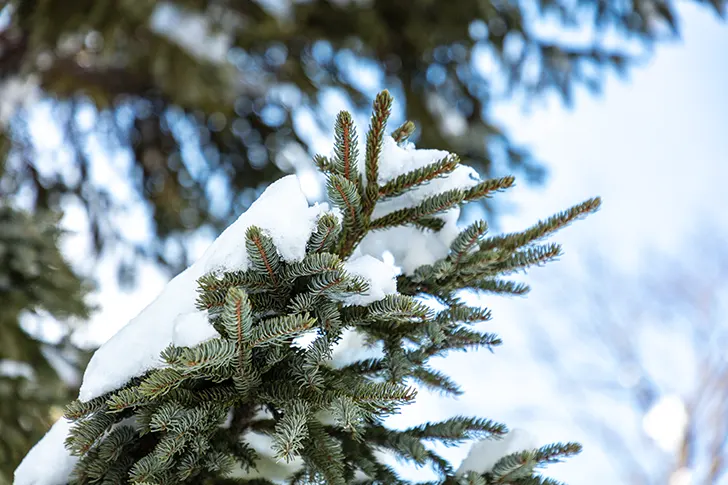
[[199, 415]]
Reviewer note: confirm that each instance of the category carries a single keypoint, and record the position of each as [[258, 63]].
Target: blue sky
[[654, 146]]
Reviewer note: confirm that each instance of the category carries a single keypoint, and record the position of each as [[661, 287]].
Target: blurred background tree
[[35, 374], [175, 115], [195, 101]]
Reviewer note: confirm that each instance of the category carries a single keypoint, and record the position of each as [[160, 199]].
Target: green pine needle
[[325, 236], [78, 409], [467, 240], [428, 207], [291, 431], [429, 223], [160, 382], [324, 164], [488, 187], [532, 256], [313, 264], [436, 381], [399, 308], [236, 318], [457, 429], [86, 432], [346, 148], [125, 399], [216, 357], [501, 286]]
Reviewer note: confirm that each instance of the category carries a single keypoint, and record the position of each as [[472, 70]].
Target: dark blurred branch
[[113, 81]]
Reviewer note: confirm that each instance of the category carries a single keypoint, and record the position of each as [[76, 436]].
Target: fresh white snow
[[382, 279], [192, 328], [283, 212], [412, 247], [485, 454], [48, 462], [136, 347]]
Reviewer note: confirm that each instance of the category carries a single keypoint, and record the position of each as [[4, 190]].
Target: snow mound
[[397, 160], [382, 279], [192, 328], [281, 211], [485, 454], [48, 462]]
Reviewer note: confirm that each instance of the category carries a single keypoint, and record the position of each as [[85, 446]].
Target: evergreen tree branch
[[345, 147], [345, 195], [326, 234], [428, 207], [375, 136], [437, 381], [291, 431], [279, 329], [191, 412], [262, 253], [457, 429], [542, 229], [410, 180], [467, 240], [237, 319]]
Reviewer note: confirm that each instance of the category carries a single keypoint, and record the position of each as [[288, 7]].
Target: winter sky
[[654, 146]]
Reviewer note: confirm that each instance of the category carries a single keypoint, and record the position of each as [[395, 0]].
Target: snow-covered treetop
[[300, 328]]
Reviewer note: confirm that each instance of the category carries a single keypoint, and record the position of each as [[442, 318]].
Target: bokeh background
[[132, 133]]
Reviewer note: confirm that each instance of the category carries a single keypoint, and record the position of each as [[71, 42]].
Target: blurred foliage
[[176, 114], [190, 99], [33, 278]]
